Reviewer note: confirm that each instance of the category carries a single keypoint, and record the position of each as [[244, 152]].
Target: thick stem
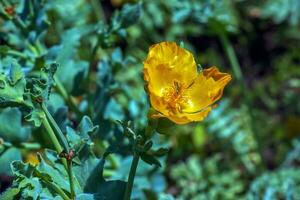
[[71, 180], [53, 139], [52, 136], [59, 133], [57, 145], [132, 172]]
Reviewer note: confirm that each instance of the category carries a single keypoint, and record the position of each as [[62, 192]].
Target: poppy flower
[[176, 89]]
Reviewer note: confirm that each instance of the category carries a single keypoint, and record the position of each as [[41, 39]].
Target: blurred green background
[[247, 148]]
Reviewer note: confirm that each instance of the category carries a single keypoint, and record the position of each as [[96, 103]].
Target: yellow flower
[[177, 91], [31, 158]]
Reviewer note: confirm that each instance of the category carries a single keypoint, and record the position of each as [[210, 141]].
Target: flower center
[[174, 97]]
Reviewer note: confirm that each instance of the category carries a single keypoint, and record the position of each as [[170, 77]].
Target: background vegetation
[[248, 147]]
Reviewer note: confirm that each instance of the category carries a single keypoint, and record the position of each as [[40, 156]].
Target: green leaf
[[11, 128], [36, 116], [150, 159], [128, 16], [50, 71], [36, 182], [101, 188], [86, 126], [282, 10], [113, 110], [33, 188], [52, 174], [30, 187], [80, 139], [7, 157], [12, 86]]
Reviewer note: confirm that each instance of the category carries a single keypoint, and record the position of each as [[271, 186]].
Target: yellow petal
[[167, 63], [200, 115], [179, 119], [206, 90], [221, 79]]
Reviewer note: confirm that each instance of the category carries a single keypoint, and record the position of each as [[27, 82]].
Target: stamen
[[175, 98]]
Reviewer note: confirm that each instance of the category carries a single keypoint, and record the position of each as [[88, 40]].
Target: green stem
[[59, 133], [236, 68], [57, 189], [53, 139], [71, 180], [132, 172], [56, 143], [52, 136], [232, 57], [61, 136]]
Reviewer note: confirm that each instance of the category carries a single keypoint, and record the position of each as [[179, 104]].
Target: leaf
[[128, 16], [111, 190], [86, 126], [80, 139], [29, 179], [49, 173], [101, 188], [36, 116], [12, 86], [6, 158], [282, 10], [113, 110], [50, 71], [30, 187], [150, 159], [33, 188], [11, 128]]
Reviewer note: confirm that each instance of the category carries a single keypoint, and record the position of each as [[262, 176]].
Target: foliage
[[206, 180], [72, 92]]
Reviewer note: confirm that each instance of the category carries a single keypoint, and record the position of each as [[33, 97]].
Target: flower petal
[[206, 90], [168, 63], [199, 116]]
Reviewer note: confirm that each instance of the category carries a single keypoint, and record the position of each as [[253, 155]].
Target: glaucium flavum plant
[[176, 89]]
